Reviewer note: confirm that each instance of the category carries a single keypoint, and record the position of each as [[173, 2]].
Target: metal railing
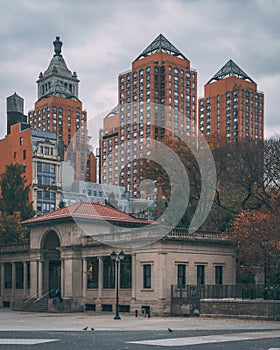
[[155, 232], [200, 234], [14, 247], [235, 291], [34, 298]]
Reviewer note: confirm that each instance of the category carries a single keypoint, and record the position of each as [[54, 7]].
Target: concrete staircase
[[36, 304]]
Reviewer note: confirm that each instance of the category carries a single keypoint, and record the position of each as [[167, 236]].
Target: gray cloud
[[101, 39]]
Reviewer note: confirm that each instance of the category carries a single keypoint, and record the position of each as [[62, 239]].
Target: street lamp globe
[[113, 255], [121, 255]]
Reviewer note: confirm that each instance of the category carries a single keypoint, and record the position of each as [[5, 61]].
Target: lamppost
[[117, 258], [264, 246]]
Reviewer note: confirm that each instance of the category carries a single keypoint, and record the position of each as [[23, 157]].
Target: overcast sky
[[102, 38]]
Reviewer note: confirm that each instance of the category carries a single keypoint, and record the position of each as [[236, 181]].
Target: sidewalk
[[25, 321]]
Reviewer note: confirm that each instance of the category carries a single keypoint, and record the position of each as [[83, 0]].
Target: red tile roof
[[86, 210]]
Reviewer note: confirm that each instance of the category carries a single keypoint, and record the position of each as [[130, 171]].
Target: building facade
[[38, 152], [232, 108], [157, 100], [56, 130], [59, 110], [63, 254]]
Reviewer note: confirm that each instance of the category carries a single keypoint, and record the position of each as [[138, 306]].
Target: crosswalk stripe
[[7, 341], [210, 339]]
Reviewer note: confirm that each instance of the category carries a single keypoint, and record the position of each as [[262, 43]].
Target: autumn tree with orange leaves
[[257, 237]]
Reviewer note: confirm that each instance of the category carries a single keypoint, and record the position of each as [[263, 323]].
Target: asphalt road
[[249, 339]]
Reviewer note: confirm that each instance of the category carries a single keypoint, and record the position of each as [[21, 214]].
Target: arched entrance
[[52, 263]]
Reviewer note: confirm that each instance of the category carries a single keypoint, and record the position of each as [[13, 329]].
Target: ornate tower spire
[[57, 46], [58, 80]]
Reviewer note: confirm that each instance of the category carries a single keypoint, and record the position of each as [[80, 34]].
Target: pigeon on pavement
[[84, 329]]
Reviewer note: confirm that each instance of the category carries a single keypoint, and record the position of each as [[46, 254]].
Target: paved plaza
[[43, 331], [27, 321]]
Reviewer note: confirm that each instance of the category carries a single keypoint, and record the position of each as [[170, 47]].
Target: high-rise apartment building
[[157, 101], [59, 110], [232, 108]]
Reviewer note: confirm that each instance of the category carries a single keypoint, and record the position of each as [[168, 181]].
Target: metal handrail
[[30, 298], [42, 296], [38, 298]]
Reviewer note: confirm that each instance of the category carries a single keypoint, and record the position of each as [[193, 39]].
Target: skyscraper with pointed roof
[[59, 110], [231, 107], [157, 100]]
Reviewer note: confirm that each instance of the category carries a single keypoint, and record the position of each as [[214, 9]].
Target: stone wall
[[256, 309]]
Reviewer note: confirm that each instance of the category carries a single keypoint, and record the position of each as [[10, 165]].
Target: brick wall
[[257, 309]]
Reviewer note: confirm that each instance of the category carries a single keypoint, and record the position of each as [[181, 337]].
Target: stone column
[[162, 276], [62, 277], [13, 278], [100, 277], [2, 279], [45, 275], [133, 271], [233, 281], [84, 278], [40, 278], [67, 263], [72, 277], [33, 278], [24, 278]]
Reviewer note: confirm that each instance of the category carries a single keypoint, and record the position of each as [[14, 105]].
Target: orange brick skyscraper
[[58, 109], [232, 108], [157, 100]]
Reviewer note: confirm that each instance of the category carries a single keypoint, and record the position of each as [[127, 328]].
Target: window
[[147, 276], [20, 140], [46, 201], [92, 273], [19, 275], [7, 275], [218, 274], [200, 274], [181, 276], [28, 274], [126, 272], [46, 173], [108, 272], [24, 154]]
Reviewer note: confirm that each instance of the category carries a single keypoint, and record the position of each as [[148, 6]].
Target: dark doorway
[[54, 276], [52, 263]]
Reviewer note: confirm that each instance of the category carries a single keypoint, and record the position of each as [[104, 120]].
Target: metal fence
[[240, 291], [186, 301]]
